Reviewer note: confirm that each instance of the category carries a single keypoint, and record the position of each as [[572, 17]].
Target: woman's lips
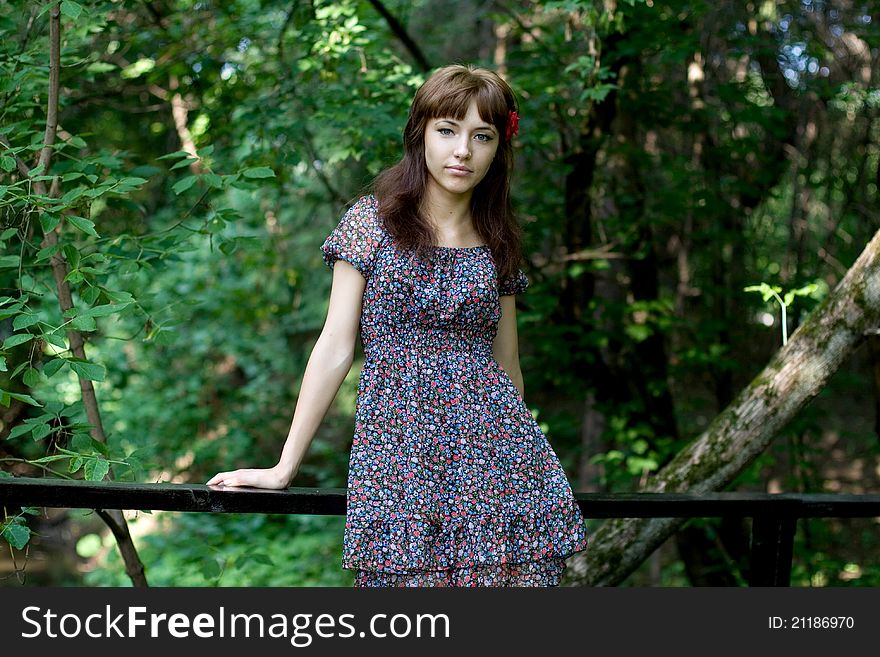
[[459, 171]]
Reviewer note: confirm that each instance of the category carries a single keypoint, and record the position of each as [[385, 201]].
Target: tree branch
[[114, 518], [54, 78], [401, 33]]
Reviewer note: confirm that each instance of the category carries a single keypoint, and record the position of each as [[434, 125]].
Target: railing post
[[772, 546]]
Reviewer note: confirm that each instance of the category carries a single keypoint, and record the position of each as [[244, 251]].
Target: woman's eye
[[483, 137], [444, 131]]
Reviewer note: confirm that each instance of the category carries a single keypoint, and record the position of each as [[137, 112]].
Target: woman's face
[[458, 153]]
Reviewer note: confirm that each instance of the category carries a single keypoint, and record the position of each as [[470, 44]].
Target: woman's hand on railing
[[272, 478]]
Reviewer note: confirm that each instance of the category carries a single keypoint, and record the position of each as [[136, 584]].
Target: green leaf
[[72, 195], [16, 339], [49, 222], [6, 234], [3, 364], [228, 247], [87, 370], [31, 377], [71, 254], [98, 446], [74, 277], [71, 9], [258, 172], [132, 181], [17, 535], [55, 340], [27, 399], [104, 310], [639, 332], [81, 442], [209, 568], [255, 557], [9, 261], [23, 321], [174, 155], [90, 295], [164, 336], [98, 191], [184, 163], [83, 224], [119, 297], [75, 464], [96, 468], [20, 430], [7, 163], [84, 323], [49, 251], [184, 184], [41, 431], [767, 292], [806, 290], [14, 309], [51, 368]]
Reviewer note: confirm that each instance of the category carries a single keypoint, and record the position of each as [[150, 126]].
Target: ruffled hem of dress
[[415, 544], [546, 573]]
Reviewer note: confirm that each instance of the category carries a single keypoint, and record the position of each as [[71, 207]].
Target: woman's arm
[[329, 363], [505, 347]]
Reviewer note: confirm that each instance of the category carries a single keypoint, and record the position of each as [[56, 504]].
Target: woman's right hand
[[271, 478]]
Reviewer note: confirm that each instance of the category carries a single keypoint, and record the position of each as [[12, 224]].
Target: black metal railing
[[774, 516]]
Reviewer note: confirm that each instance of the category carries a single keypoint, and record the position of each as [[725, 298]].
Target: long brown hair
[[400, 188]]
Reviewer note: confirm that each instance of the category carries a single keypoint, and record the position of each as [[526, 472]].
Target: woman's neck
[[449, 213]]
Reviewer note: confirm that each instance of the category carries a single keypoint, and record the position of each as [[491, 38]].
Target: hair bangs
[[451, 97]]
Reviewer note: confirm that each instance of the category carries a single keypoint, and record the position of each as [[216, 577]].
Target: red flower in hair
[[512, 124]]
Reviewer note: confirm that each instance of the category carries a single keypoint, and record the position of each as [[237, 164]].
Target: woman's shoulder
[[364, 212], [367, 205]]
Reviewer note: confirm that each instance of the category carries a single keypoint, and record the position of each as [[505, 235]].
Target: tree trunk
[[114, 518], [795, 375]]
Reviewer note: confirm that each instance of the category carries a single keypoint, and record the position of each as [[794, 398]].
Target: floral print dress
[[451, 482]]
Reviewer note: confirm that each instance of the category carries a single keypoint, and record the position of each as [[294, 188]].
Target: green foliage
[[204, 155], [235, 550], [768, 291]]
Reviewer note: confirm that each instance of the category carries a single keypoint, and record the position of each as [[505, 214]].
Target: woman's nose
[[462, 148]]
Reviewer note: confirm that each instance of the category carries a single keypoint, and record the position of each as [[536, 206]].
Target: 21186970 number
[[811, 623]]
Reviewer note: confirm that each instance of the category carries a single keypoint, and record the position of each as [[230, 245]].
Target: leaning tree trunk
[[795, 375]]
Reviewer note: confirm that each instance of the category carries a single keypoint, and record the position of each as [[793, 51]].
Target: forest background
[[670, 155]]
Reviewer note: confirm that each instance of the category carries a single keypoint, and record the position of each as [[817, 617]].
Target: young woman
[[451, 481]]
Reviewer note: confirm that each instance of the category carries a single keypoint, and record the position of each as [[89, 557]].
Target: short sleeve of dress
[[514, 284], [356, 238]]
